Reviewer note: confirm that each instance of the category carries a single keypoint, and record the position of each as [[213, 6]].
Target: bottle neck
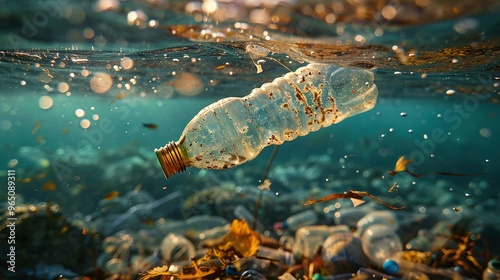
[[171, 158]]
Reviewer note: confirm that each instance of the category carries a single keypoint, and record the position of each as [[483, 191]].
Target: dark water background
[[436, 67]]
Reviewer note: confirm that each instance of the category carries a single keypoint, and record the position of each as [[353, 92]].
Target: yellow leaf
[[401, 164], [241, 238]]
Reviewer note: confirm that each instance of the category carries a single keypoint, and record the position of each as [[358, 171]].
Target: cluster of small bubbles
[[45, 102], [48, 88], [137, 18]]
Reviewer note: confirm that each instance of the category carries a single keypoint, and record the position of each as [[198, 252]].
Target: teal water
[[78, 86]]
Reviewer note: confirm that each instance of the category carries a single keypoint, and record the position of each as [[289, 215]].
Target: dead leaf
[[356, 195], [242, 238]]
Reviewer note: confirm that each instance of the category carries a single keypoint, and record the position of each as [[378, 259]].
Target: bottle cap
[[171, 158], [317, 276], [494, 265], [390, 266]]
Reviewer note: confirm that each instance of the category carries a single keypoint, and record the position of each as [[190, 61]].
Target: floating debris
[[150, 125]]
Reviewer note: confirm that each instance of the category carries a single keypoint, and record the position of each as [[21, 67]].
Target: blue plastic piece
[[231, 270], [390, 266], [317, 276]]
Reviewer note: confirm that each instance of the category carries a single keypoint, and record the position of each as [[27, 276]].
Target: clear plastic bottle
[[234, 130], [492, 272], [351, 215], [380, 242], [342, 247], [377, 217], [294, 222], [309, 238], [177, 248], [285, 257], [383, 248]]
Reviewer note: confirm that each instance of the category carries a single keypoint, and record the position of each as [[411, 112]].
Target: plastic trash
[[309, 238], [344, 247], [234, 130], [194, 225], [285, 257], [251, 275], [304, 218], [384, 217], [177, 248], [422, 242], [351, 215], [492, 272], [380, 242]]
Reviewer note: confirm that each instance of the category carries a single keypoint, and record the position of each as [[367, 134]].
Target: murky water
[[90, 89]]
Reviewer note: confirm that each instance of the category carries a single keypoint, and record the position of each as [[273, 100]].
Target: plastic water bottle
[[380, 242], [492, 272], [234, 130], [377, 217], [281, 255], [304, 218], [309, 238], [343, 247], [177, 248], [422, 242], [195, 224], [351, 215]]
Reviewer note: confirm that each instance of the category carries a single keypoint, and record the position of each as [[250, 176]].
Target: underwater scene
[[250, 139]]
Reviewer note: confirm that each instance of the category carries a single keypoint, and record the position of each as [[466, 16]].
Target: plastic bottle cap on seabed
[[390, 266]]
